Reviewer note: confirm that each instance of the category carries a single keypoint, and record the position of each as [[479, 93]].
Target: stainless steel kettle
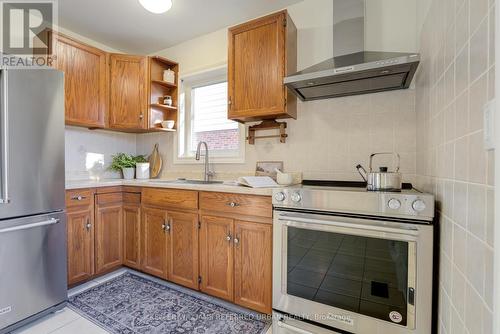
[[383, 180]]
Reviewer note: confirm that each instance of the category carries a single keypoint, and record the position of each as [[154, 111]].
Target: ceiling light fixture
[[156, 6]]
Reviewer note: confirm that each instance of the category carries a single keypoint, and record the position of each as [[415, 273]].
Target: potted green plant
[[126, 164]]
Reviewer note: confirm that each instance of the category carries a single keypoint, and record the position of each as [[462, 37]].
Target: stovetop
[[353, 198]]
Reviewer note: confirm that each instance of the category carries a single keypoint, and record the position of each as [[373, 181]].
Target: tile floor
[[67, 321]]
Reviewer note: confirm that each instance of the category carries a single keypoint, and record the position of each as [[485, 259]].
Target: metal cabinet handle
[[233, 204], [229, 237], [141, 116], [88, 225], [166, 226], [51, 221], [78, 198], [236, 240], [5, 140]]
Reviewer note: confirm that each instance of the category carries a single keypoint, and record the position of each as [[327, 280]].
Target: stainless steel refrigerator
[[32, 209]]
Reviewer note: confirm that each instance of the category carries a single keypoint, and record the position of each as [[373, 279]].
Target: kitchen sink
[[185, 181]]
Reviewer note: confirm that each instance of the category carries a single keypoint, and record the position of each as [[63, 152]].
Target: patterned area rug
[[132, 304]]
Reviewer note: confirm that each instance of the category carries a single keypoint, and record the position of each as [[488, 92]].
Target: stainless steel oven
[[347, 272]]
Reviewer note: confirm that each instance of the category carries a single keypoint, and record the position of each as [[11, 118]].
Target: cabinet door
[[128, 91], [256, 67], [253, 265], [85, 81], [109, 237], [154, 242], [216, 256], [183, 249], [80, 244], [131, 236]]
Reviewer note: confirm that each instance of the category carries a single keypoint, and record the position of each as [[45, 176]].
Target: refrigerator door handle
[[51, 221], [5, 139]]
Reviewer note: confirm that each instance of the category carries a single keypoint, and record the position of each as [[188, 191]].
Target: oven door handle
[[294, 329], [403, 229]]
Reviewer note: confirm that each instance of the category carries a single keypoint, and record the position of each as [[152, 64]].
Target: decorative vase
[[128, 173], [142, 170]]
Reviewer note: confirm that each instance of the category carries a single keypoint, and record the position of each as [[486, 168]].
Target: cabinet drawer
[[109, 198], [175, 198], [250, 205], [79, 197], [132, 198]]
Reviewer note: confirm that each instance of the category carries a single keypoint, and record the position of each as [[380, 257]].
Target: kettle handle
[[361, 168], [386, 153]]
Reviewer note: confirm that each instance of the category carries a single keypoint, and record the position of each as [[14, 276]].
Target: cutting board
[[155, 162]]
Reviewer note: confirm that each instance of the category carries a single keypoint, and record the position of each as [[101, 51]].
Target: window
[[203, 117]]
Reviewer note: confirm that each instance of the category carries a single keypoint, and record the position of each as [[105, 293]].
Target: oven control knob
[[295, 197], [394, 204], [418, 205], [280, 197]]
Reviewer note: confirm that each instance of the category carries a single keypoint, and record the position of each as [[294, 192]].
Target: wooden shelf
[[163, 106], [164, 61], [164, 83], [165, 129]]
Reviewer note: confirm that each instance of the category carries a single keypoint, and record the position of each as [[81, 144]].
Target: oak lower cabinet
[[154, 242], [108, 232], [253, 265], [182, 248], [236, 261], [132, 230], [216, 256], [80, 231]]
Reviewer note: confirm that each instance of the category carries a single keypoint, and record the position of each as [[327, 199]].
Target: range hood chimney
[[352, 70]]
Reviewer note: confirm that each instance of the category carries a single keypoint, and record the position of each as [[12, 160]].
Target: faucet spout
[[207, 173]]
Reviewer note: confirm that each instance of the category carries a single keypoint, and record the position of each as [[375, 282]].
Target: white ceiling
[[125, 25]]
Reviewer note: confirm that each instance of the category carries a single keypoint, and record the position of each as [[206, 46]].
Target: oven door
[[353, 274]]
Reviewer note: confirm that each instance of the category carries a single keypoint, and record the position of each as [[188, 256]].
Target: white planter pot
[[142, 170], [128, 173]]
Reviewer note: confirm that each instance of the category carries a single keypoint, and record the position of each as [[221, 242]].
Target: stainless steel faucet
[[208, 173]]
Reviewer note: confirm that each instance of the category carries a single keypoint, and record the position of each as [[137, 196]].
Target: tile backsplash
[[328, 139], [88, 152], [454, 81]]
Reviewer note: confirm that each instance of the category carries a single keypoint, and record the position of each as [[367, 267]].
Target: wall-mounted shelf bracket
[[267, 125]]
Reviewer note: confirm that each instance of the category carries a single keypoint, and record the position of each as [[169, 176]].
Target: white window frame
[[187, 82]]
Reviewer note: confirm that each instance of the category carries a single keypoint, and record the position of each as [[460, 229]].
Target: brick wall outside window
[[218, 140]]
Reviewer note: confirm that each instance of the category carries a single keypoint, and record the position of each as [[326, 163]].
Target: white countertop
[[226, 188]]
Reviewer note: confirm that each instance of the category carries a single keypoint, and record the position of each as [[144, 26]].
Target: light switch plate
[[489, 125]]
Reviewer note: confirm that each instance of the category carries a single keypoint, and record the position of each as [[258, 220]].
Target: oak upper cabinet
[[80, 231], [85, 81], [253, 265], [128, 92], [261, 53], [183, 248], [216, 256], [154, 242], [132, 230], [109, 232]]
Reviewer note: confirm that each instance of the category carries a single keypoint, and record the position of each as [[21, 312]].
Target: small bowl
[[168, 124]]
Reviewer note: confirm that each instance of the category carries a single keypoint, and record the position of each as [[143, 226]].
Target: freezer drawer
[[33, 266]]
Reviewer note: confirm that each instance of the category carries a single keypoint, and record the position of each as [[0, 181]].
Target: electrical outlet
[[489, 125]]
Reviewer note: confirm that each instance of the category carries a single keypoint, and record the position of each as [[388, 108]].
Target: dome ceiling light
[[156, 6]]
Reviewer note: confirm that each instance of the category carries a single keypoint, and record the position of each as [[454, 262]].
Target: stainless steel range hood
[[352, 70]]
